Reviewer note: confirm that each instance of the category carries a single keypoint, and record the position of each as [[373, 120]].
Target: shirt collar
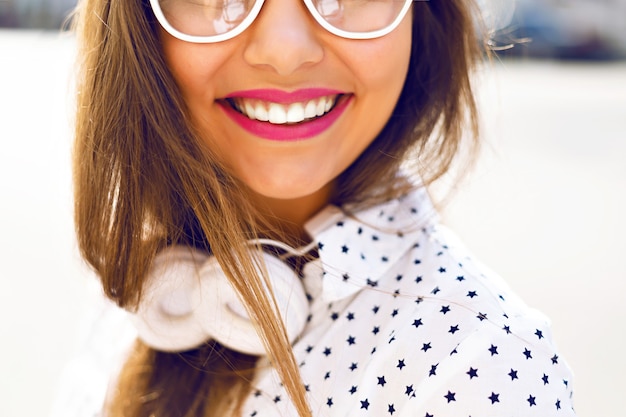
[[357, 249]]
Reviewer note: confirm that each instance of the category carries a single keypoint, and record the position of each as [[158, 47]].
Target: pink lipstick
[[285, 116]]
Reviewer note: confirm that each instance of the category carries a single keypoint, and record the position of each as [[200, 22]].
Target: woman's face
[[285, 66]]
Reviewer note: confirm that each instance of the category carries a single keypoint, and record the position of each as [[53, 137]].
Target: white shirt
[[403, 322]]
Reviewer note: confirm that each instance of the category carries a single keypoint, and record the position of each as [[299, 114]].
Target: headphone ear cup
[[165, 318], [188, 299], [225, 318]]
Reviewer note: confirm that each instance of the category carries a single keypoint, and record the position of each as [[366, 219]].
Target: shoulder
[[467, 344]]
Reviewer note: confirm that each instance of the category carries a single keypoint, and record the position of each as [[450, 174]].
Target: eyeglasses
[[209, 21]]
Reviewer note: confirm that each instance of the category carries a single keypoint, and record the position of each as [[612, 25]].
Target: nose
[[284, 38]]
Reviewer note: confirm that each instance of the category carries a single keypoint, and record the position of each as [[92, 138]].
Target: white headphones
[[188, 300]]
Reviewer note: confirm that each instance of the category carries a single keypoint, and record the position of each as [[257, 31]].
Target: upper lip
[[284, 97]]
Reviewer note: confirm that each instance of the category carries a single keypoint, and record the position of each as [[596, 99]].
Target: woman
[[243, 189]]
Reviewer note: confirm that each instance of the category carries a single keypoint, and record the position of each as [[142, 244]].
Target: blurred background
[[544, 206]]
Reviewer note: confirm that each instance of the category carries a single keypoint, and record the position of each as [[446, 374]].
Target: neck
[[290, 215]]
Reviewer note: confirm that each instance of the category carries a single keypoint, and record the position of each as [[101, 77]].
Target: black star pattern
[[450, 396], [495, 398], [493, 350], [528, 354], [395, 310]]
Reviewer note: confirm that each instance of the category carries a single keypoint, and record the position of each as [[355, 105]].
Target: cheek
[[193, 67]]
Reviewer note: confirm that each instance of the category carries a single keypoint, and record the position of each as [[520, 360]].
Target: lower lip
[[288, 132]]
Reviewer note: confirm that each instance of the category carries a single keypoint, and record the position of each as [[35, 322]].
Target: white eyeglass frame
[[256, 9]]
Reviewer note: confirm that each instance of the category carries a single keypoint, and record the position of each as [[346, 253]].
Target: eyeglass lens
[[216, 17]]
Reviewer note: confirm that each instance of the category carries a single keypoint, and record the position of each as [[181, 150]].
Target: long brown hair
[[143, 181]]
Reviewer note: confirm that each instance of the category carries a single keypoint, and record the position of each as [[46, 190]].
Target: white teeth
[[295, 113], [285, 113], [277, 114], [321, 107], [250, 110], [310, 110], [260, 113]]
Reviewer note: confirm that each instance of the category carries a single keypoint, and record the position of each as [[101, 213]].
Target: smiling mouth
[[281, 114]]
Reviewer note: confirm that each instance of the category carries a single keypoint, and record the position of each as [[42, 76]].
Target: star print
[[528, 354], [371, 283], [343, 324], [450, 396], [320, 246], [494, 350], [277, 399], [495, 398], [344, 249]]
